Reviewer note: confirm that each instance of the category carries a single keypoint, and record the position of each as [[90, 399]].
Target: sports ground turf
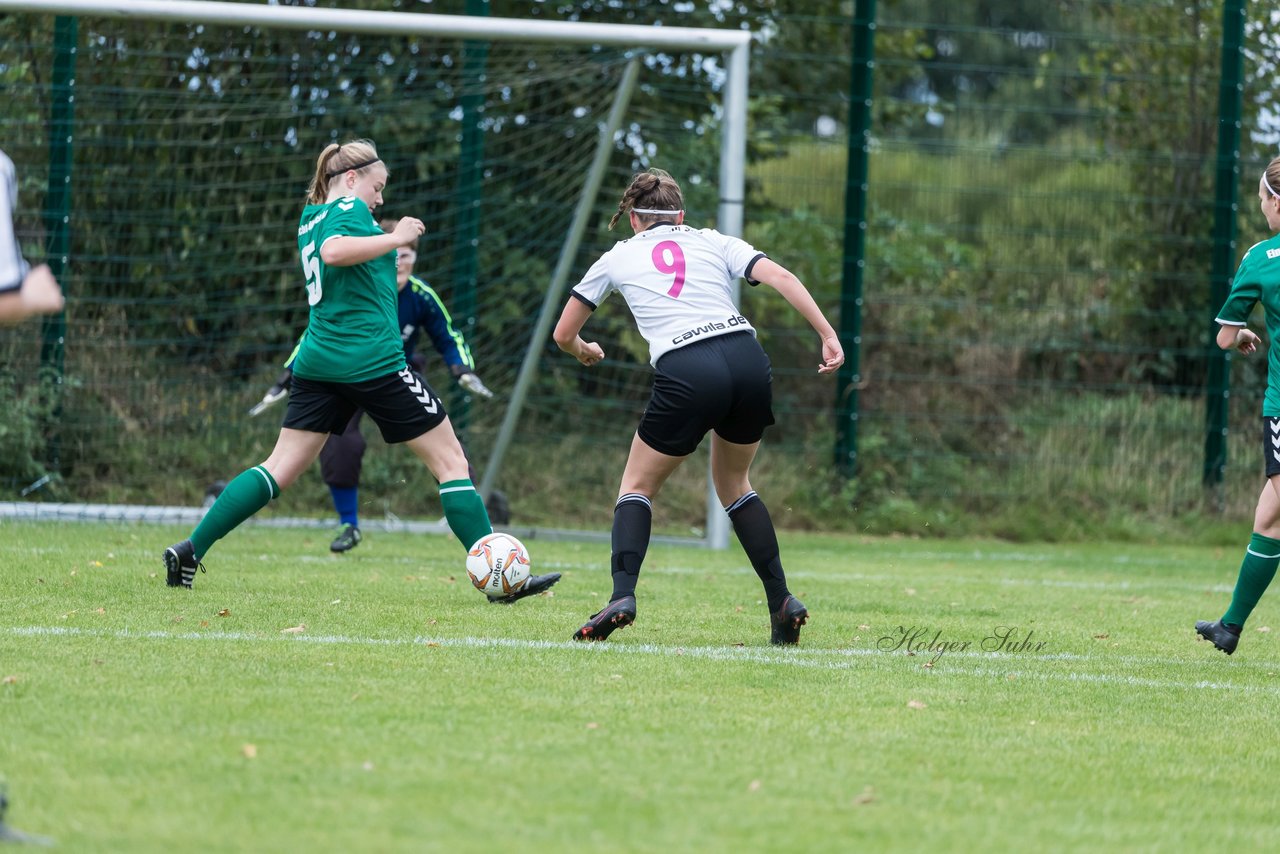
[[297, 701]]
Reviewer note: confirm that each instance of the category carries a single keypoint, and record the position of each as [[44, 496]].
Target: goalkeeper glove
[[274, 395], [471, 383]]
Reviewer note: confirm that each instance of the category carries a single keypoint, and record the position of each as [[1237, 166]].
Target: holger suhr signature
[[923, 639]]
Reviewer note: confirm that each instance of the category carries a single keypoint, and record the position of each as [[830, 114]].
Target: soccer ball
[[498, 565]]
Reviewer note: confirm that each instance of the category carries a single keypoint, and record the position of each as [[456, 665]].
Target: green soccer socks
[[244, 496], [464, 511], [1256, 572]]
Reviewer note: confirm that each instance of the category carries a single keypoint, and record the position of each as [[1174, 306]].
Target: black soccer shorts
[[402, 404], [723, 384], [1271, 445]]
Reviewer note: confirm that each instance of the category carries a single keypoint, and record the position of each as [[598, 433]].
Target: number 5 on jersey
[[311, 270], [673, 267]]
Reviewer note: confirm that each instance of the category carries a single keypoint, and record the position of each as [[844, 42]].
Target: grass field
[[296, 701]]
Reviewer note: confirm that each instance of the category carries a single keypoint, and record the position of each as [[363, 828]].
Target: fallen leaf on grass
[[96, 563], [753, 786], [1102, 636], [916, 704], [250, 751], [294, 630], [910, 591], [739, 643], [204, 624], [1264, 628], [368, 766], [433, 644], [225, 612], [100, 611], [9, 680], [868, 796], [864, 628], [593, 725]]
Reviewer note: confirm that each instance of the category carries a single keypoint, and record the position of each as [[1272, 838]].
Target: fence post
[[1230, 102], [57, 217], [848, 378]]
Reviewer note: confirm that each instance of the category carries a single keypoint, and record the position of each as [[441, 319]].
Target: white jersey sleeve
[[13, 269], [677, 281], [596, 284]]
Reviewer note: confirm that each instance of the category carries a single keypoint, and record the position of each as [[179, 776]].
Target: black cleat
[[348, 538], [787, 621], [615, 615], [180, 564], [535, 585], [1224, 636]]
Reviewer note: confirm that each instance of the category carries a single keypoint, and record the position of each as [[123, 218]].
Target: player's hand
[[589, 353], [274, 395], [832, 355], [1247, 341], [471, 383], [408, 230]]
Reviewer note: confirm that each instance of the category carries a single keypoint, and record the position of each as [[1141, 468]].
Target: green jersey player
[[350, 358], [1256, 281]]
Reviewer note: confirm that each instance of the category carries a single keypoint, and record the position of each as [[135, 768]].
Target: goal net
[[187, 149]]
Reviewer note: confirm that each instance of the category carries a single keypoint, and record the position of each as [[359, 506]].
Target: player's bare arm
[[794, 292], [347, 251], [567, 337], [1239, 338]]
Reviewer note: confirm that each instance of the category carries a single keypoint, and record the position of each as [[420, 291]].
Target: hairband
[[654, 211], [358, 166], [1267, 184]]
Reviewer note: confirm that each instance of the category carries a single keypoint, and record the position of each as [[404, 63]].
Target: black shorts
[[1271, 444], [401, 404], [723, 384]]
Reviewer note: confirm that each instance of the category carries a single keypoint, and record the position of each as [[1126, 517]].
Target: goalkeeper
[[420, 309]]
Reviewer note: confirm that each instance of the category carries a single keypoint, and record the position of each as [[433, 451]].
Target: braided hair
[[652, 190]]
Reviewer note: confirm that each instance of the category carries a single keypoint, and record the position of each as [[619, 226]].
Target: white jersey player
[[710, 375], [24, 290]]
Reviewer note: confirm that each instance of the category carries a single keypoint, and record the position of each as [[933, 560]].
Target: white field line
[[904, 578], [851, 659]]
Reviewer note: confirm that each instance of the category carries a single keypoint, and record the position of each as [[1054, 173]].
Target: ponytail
[[336, 160]]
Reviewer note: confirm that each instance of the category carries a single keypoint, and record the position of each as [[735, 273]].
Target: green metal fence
[[1024, 251]]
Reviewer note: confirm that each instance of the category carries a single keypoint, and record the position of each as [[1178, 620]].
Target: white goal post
[[734, 44]]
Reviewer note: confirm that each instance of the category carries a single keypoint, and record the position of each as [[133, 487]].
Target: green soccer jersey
[[353, 333], [1258, 280]]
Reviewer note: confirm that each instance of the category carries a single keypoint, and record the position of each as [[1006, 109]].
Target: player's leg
[[464, 510], [245, 495], [1257, 570], [1261, 557], [734, 445], [730, 466], [646, 471], [315, 410], [341, 460]]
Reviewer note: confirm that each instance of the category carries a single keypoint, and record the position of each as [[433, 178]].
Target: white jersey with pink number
[[677, 281]]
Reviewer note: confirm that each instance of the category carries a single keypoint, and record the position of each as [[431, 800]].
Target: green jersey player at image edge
[[1257, 280]]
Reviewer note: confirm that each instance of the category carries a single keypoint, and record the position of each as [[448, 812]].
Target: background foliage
[[1036, 308]]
